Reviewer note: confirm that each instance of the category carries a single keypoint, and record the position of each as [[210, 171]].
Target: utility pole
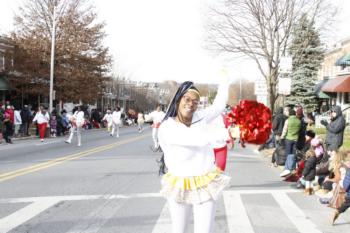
[[53, 33]]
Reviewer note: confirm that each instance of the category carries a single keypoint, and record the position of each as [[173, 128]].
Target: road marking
[[54, 162], [236, 214], [97, 218], [163, 223], [81, 197], [295, 214], [19, 217], [134, 195]]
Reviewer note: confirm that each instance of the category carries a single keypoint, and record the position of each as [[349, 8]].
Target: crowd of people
[[22, 122], [317, 165]]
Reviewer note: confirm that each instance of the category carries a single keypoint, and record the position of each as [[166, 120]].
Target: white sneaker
[[79, 144], [42, 140], [67, 141], [117, 136], [285, 173]]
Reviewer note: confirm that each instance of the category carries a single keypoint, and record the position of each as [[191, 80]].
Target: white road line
[[134, 195], [19, 217], [163, 223], [236, 214], [295, 214], [80, 197]]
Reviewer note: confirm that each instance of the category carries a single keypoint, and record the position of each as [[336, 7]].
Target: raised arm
[[219, 104]]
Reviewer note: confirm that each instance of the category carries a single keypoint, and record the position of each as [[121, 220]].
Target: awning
[[343, 61], [320, 94], [4, 85], [339, 84]]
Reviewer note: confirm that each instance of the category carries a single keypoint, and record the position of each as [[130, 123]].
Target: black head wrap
[[171, 112], [184, 87]]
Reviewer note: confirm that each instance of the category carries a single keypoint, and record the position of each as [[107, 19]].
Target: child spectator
[[309, 171], [317, 146], [53, 123]]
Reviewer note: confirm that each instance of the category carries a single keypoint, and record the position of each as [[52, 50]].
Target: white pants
[[140, 126], [203, 216], [155, 137], [115, 127], [72, 129]]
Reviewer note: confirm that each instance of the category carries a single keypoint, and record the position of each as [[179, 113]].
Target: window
[[346, 98], [2, 62]]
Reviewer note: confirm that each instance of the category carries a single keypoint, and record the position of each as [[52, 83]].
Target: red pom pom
[[254, 121]]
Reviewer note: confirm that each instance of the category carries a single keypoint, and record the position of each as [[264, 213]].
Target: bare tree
[[261, 30]]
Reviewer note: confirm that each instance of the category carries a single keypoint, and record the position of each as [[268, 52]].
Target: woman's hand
[[234, 132]]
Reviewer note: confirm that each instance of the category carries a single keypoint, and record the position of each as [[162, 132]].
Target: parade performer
[[42, 118], [116, 121], [108, 119], [140, 121], [77, 122], [192, 180], [157, 117]]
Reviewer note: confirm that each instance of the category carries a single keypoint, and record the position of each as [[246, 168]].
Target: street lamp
[[52, 57]]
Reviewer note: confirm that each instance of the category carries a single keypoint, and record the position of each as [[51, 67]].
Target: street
[[111, 185]]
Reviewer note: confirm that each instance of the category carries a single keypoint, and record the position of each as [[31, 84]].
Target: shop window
[[346, 98]]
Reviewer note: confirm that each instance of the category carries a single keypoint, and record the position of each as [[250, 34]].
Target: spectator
[[309, 171], [17, 121], [278, 123], [346, 204], [290, 132], [7, 128], [26, 117], [301, 137], [335, 130], [53, 123]]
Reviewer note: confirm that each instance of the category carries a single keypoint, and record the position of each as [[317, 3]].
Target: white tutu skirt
[[195, 189]]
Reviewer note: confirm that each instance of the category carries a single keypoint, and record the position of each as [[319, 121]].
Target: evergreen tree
[[307, 55]]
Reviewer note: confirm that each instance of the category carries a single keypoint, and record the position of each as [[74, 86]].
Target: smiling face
[[188, 105]]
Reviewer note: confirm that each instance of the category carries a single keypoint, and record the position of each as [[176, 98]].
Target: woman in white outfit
[[77, 121], [157, 116], [42, 118], [108, 118], [192, 182], [140, 121], [116, 121]]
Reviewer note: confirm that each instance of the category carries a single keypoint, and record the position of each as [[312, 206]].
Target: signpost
[[284, 81], [260, 90]]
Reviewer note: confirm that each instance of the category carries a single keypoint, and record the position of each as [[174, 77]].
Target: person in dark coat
[[26, 117], [278, 123], [301, 139], [309, 171], [335, 130]]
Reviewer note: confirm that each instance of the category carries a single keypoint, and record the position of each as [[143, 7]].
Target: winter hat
[[315, 142], [310, 133]]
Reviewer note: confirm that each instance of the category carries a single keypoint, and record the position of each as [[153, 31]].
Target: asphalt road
[[111, 185]]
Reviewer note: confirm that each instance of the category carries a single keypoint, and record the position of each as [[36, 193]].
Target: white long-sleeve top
[[79, 118], [18, 118], [188, 150], [41, 118], [108, 118], [157, 116], [116, 117]]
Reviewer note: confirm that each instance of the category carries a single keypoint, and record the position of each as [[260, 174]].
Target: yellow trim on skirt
[[192, 182]]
